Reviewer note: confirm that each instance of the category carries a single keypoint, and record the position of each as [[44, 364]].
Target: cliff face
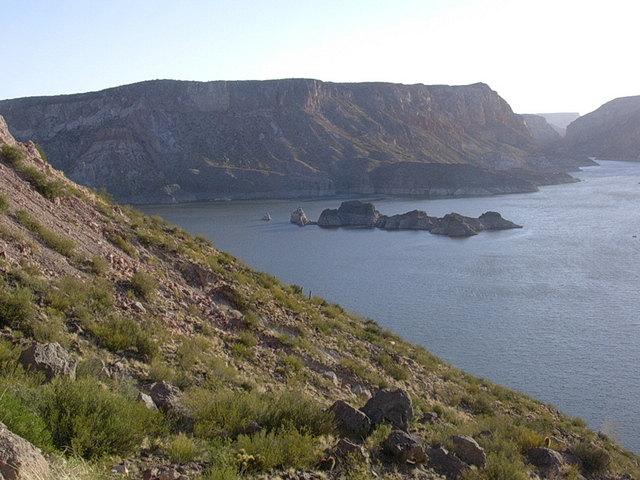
[[543, 132], [560, 120], [179, 141], [612, 131]]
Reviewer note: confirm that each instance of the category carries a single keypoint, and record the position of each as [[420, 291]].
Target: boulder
[[147, 400], [456, 225], [468, 450], [299, 217], [445, 462], [346, 448], [350, 421], [361, 391], [413, 220], [19, 459], [352, 213], [403, 447], [252, 428], [393, 407], [547, 461], [166, 397], [494, 221], [329, 218], [357, 213], [330, 375], [430, 418], [49, 358]]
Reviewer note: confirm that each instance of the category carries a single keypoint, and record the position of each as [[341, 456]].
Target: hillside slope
[[167, 141], [241, 366], [610, 132]]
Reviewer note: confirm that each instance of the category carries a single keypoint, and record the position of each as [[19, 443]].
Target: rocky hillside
[[167, 141], [130, 349], [610, 132]]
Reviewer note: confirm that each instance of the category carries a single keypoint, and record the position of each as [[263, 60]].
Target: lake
[[550, 310]]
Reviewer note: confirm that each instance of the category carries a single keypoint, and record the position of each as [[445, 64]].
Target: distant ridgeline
[[173, 141], [610, 132]]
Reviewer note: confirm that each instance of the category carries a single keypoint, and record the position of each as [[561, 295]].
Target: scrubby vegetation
[[256, 362], [11, 154]]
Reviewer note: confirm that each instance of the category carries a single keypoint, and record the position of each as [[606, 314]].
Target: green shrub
[[144, 285], [61, 244], [286, 448], [50, 329], [293, 363], [99, 265], [24, 422], [92, 422], [118, 334], [230, 412], [501, 467], [361, 370], [11, 154], [41, 151], [47, 188], [159, 371], [379, 434], [81, 299], [4, 203], [17, 307], [298, 410], [223, 465], [193, 351], [391, 367], [182, 449], [595, 460], [124, 245]]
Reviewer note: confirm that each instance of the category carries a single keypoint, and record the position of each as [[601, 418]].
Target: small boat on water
[[266, 217]]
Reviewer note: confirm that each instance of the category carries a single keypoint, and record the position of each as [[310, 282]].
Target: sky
[[541, 56]]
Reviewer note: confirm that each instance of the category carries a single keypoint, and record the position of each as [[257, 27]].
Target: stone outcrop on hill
[[173, 141], [49, 358], [19, 459], [354, 213], [610, 132]]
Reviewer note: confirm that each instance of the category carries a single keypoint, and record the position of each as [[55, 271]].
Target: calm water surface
[[551, 310]]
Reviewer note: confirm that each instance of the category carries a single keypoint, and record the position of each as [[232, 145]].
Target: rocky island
[[354, 213]]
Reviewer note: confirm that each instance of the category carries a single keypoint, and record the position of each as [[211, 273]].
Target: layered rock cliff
[[543, 132], [610, 132], [560, 120], [166, 141]]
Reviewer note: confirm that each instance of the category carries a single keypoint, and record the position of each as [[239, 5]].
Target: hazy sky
[[540, 55]]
